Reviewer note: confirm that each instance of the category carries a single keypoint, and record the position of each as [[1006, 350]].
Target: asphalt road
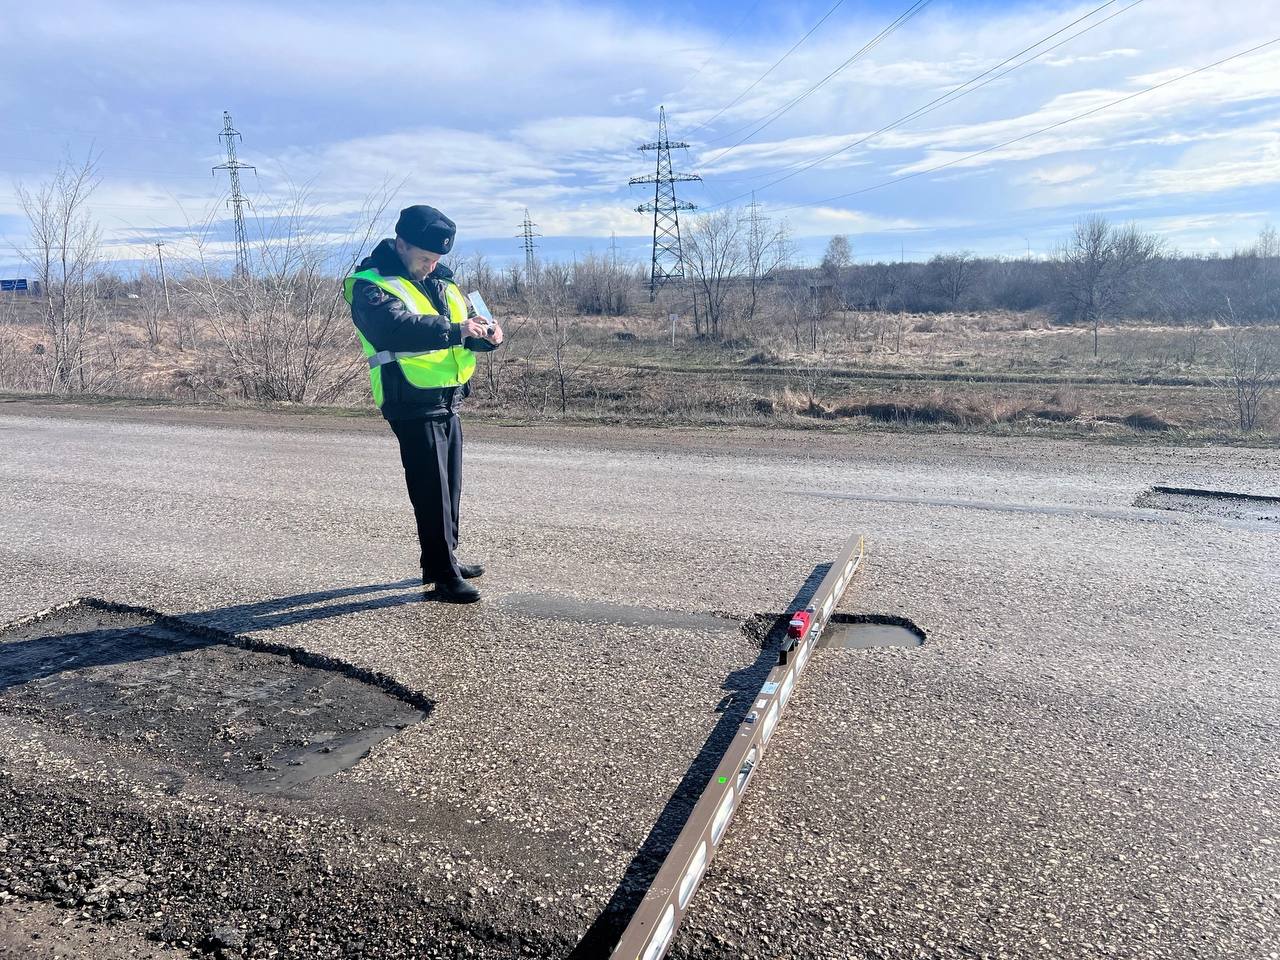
[[1081, 761]]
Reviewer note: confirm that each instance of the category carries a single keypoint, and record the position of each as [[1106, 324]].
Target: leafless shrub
[[284, 331], [811, 382], [604, 285], [1252, 362]]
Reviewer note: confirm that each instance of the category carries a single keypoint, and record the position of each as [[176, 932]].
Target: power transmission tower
[[164, 282], [237, 199], [527, 233], [755, 236], [668, 257]]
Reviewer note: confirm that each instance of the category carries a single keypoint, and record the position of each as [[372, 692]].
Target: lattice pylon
[[668, 256]]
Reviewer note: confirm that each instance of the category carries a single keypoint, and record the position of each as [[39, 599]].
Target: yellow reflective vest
[[450, 367]]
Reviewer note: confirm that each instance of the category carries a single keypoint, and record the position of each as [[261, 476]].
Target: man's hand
[[476, 327], [496, 337]]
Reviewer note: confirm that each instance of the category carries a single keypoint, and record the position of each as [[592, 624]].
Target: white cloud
[[1090, 57], [1058, 175], [544, 104]]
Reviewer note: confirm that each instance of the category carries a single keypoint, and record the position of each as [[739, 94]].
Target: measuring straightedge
[[654, 924]]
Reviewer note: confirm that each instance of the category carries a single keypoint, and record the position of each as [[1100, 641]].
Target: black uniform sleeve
[[388, 325], [479, 345]]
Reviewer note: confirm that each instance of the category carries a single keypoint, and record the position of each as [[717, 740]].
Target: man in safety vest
[[420, 337]]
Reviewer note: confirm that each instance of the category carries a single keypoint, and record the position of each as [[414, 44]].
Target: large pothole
[[870, 631], [1252, 509], [194, 701]]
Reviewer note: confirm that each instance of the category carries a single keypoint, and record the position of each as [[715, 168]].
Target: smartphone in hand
[[482, 309]]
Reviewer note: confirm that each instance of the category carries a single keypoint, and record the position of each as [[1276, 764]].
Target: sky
[[484, 110]]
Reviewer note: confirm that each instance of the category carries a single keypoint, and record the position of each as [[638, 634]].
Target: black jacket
[[388, 324]]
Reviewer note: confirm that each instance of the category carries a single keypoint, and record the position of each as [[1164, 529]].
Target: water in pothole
[[180, 700], [870, 632]]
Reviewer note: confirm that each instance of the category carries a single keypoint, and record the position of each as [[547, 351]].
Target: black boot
[[455, 590], [470, 571]]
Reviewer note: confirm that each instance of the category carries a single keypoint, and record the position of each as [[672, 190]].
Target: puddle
[[869, 631], [546, 606], [1258, 512], [193, 700]]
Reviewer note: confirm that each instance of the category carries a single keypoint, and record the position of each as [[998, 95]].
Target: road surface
[[1081, 761]]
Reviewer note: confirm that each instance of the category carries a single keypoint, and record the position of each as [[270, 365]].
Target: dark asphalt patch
[[1256, 511], [191, 701], [870, 631]]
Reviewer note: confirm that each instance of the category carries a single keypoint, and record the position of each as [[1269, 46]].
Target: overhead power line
[[711, 56], [866, 48], [1036, 133], [950, 96], [754, 83]]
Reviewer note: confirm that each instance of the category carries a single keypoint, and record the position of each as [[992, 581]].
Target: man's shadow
[[43, 655], [742, 686]]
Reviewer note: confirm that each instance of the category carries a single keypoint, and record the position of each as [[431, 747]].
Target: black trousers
[[431, 451]]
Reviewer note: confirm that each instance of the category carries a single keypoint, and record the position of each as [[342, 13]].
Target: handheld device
[[482, 309]]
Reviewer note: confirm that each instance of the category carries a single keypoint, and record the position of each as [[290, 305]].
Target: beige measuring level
[[654, 925]]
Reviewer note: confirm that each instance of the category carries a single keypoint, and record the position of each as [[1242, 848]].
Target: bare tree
[[152, 301], [767, 251], [557, 330], [715, 259], [64, 253], [1102, 266], [838, 256], [954, 275]]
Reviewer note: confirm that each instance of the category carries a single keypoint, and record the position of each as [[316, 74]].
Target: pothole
[[870, 631], [1249, 508], [186, 699]]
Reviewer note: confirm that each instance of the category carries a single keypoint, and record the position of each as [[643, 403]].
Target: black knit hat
[[426, 228]]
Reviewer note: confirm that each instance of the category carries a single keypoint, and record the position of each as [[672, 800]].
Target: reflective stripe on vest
[[449, 367]]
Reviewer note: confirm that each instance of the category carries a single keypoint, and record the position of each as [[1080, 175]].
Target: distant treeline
[[1242, 287]]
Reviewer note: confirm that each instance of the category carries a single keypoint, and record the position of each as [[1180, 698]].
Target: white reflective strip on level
[[770, 721], [692, 875], [721, 819], [662, 935]]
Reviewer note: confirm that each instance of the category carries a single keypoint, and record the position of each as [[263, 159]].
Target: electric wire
[[949, 97], [1035, 133], [711, 56], [754, 83], [773, 115]]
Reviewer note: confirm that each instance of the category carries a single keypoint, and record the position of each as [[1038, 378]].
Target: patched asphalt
[[1080, 761]]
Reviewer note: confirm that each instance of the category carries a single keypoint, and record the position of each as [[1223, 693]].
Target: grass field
[[996, 370]]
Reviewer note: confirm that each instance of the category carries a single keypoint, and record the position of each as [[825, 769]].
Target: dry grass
[[1001, 370]]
